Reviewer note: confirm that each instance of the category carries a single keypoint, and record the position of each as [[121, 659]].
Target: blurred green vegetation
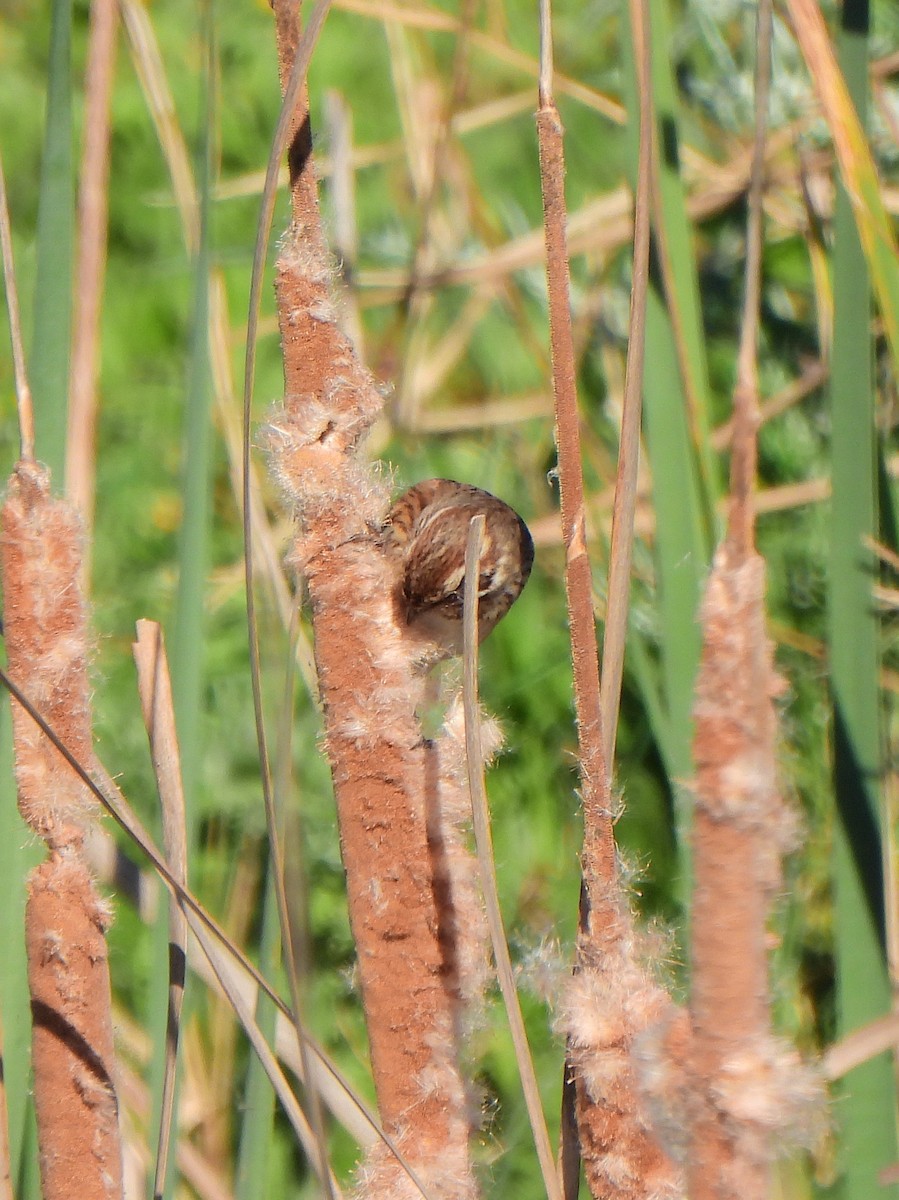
[[396, 82]]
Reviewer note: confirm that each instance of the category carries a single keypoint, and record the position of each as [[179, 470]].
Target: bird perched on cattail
[[426, 533]]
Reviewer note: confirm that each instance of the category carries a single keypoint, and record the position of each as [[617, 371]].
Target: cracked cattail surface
[[426, 532]]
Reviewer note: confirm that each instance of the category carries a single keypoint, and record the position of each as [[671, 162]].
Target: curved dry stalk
[[151, 74]]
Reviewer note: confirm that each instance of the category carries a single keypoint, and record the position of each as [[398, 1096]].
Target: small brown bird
[[427, 530]]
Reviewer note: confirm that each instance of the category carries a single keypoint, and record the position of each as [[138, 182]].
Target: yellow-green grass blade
[[844, 115], [49, 361], [867, 1109]]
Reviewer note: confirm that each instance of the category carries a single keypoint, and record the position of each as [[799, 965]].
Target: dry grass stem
[[93, 202], [424, 18], [861, 1045], [148, 64], [620, 552]]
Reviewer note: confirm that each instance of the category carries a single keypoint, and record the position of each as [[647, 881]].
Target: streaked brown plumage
[[427, 530]]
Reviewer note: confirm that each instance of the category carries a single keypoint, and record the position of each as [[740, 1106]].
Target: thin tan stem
[[620, 553], [91, 256]]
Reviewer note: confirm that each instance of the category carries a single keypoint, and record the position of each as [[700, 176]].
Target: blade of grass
[[193, 551], [278, 1080], [474, 756], [425, 17], [868, 1129], [342, 189], [49, 359], [107, 792], [150, 70], [240, 1009], [294, 932]]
